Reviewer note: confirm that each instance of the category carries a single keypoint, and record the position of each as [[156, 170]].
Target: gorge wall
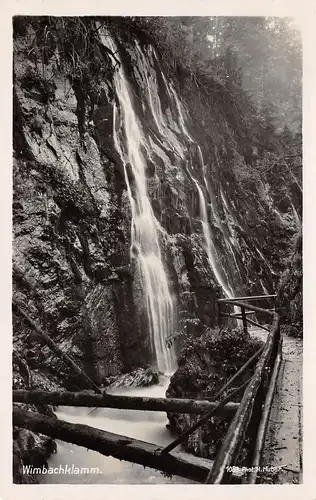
[[106, 135]]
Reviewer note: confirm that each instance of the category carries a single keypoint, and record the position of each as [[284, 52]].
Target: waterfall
[[296, 216], [209, 245], [264, 288], [208, 241], [130, 143]]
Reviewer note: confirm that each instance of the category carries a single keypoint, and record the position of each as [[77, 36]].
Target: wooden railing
[[240, 301], [250, 416]]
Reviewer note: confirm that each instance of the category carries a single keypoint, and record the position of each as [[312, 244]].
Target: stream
[[144, 425]]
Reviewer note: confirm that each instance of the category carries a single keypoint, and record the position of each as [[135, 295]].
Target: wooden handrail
[[234, 437], [251, 297], [249, 306], [244, 319], [236, 315], [257, 324], [136, 451], [263, 426]]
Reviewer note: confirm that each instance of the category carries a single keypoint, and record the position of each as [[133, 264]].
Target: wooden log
[[115, 445], [251, 307], [237, 315], [234, 436], [171, 405], [251, 297], [263, 426], [55, 348]]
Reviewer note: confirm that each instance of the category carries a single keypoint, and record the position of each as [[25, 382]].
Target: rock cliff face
[[72, 265], [290, 292]]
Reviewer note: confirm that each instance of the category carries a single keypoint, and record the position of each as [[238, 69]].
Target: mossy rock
[[205, 365]]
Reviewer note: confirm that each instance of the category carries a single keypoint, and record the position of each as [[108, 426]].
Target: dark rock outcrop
[[30, 450], [71, 224], [290, 292]]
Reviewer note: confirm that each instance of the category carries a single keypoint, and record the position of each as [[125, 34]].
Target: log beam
[[251, 297], [115, 445], [237, 315], [249, 306], [170, 405]]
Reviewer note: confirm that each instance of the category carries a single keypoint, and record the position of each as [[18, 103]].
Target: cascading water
[[296, 216], [208, 240], [209, 245], [229, 241], [158, 118], [130, 142]]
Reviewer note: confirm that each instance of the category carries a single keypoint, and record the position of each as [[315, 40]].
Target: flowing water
[[143, 425], [296, 216], [209, 245], [130, 143]]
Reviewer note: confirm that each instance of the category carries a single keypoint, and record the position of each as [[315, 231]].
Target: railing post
[[244, 319], [219, 313]]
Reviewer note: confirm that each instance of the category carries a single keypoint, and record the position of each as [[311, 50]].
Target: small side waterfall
[[296, 216], [209, 245], [130, 143], [210, 250]]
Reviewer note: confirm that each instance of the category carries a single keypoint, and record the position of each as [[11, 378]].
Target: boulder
[[141, 377], [205, 364]]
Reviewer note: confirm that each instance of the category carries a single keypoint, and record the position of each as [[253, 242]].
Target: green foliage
[[69, 45], [281, 170], [45, 88], [180, 41], [253, 63]]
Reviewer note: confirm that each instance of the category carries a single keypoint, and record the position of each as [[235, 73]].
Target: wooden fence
[[249, 418]]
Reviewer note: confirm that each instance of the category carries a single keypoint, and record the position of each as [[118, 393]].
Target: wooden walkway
[[283, 445]]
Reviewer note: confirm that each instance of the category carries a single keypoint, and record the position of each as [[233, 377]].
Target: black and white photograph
[[157, 185]]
